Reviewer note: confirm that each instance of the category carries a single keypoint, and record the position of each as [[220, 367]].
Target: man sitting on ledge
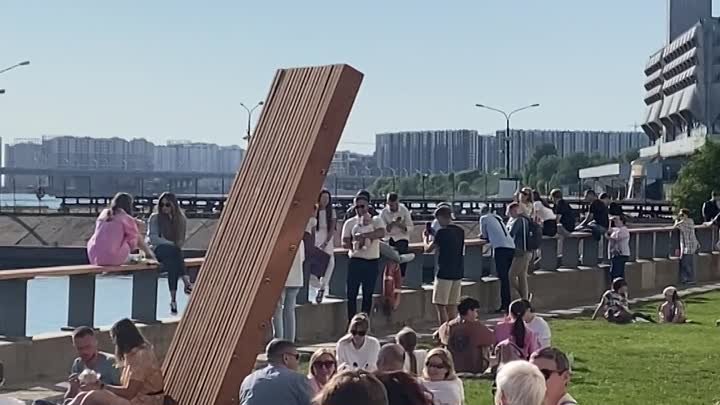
[[89, 357]]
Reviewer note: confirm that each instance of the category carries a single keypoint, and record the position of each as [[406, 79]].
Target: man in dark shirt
[[711, 208], [597, 219], [449, 240], [566, 218], [614, 209]]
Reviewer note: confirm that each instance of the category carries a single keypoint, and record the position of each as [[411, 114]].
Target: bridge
[[574, 280]]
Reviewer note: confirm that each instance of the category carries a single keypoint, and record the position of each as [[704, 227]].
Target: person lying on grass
[[614, 303], [673, 309]]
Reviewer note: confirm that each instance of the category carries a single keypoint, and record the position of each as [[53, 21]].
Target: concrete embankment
[[47, 357]]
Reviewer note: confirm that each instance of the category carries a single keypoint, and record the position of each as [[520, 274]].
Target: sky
[[177, 70]]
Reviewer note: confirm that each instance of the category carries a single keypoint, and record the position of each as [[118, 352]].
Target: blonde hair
[[358, 320], [316, 356], [447, 360]]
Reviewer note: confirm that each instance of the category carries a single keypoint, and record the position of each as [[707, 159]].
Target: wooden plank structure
[[249, 257]]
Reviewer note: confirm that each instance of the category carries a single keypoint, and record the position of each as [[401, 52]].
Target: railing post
[[633, 247], [662, 244], [338, 282], [13, 308], [705, 237], [590, 251], [548, 254], [675, 243], [81, 301], [473, 263], [571, 251], [645, 246], [145, 296]]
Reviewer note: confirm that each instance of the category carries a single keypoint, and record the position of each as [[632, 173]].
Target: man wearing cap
[[449, 241]]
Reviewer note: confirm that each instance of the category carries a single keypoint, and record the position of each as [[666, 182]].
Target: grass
[[640, 363]]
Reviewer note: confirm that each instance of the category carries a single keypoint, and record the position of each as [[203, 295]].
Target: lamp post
[[507, 129], [249, 117], [25, 63]]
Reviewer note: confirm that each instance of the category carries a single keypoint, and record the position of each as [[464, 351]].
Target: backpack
[[534, 234]]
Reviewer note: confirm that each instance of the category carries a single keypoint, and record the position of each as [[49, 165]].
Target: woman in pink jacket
[[116, 233]]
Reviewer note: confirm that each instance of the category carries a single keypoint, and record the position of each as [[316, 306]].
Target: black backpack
[[534, 234]]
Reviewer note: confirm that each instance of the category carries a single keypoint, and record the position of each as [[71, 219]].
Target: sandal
[[319, 296], [188, 289], [173, 307]]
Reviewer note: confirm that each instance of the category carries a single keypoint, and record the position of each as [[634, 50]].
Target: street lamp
[[25, 63], [507, 129], [249, 117]]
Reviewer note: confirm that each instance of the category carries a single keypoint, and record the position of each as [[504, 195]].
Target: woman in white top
[[538, 326], [284, 318], [525, 200], [618, 247], [414, 359], [544, 215], [326, 218], [439, 378], [357, 350]]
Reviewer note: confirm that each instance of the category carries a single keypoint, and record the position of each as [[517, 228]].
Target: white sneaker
[[407, 257]]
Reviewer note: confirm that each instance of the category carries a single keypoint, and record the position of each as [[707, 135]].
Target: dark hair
[[556, 193], [675, 297], [171, 228], [590, 193], [562, 363], [622, 219], [126, 337], [513, 205], [353, 388], [407, 338], [604, 196], [685, 211], [537, 197], [517, 310], [404, 389], [443, 211], [528, 304], [328, 211], [277, 348], [393, 197], [123, 201], [82, 332], [716, 193], [363, 193], [467, 304], [619, 283]]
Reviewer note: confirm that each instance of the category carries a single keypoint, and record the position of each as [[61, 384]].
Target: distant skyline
[[170, 70]]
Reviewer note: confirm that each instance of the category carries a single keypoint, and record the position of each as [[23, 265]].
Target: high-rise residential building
[[230, 158], [486, 152], [604, 143], [25, 154], [427, 151], [71, 152], [346, 163]]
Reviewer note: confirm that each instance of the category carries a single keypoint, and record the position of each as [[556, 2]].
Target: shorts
[[446, 292]]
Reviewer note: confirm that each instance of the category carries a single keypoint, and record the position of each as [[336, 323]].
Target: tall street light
[[25, 63], [507, 129], [249, 117]]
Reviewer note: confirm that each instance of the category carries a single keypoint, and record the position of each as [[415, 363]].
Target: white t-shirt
[[350, 358], [295, 276], [541, 329], [403, 213], [543, 212], [449, 392], [372, 247]]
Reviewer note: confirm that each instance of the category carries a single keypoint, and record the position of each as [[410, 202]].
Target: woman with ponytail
[[414, 359], [513, 332]]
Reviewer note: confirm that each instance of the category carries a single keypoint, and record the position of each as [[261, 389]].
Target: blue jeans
[[617, 267], [284, 319], [687, 268]]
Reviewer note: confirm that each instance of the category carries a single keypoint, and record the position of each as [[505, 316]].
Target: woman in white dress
[[326, 218], [440, 379]]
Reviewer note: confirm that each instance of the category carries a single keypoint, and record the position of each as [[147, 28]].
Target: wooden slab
[[255, 242]]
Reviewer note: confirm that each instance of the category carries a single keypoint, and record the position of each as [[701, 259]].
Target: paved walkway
[[53, 392]]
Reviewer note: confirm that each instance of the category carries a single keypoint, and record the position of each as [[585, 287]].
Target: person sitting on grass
[[673, 309], [358, 350], [322, 367], [520, 383], [404, 389], [414, 358], [515, 341], [538, 326], [440, 379], [555, 367], [467, 338], [614, 303], [352, 387], [391, 358]]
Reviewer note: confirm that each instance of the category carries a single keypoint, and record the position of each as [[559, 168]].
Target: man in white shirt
[[399, 225], [361, 236], [555, 367], [493, 230]]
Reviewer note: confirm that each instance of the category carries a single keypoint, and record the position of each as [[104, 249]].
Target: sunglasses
[[362, 207], [358, 332], [548, 373], [325, 364]]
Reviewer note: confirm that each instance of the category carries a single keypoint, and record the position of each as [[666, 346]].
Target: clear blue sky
[[178, 69]]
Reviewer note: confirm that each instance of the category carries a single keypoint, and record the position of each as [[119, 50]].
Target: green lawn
[[640, 363]]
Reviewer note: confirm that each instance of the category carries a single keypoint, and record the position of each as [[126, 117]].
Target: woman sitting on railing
[[116, 233], [142, 379], [166, 233]]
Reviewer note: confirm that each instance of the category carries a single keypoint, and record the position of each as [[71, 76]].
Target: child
[[615, 305], [688, 246], [673, 309]]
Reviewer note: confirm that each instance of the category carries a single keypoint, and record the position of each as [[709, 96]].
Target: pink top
[[503, 330], [114, 238]]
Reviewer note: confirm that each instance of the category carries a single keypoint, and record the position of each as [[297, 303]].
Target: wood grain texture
[[250, 254]]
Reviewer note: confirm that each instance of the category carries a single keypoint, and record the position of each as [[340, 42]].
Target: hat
[[669, 290]]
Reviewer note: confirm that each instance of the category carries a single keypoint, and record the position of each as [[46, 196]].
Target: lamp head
[[24, 63]]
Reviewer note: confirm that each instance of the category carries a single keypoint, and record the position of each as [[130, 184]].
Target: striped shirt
[[688, 241]]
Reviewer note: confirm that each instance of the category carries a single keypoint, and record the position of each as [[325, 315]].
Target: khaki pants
[[518, 272], [561, 235]]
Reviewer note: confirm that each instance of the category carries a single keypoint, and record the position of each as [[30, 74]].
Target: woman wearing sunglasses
[[439, 378], [358, 350], [166, 232], [323, 366]]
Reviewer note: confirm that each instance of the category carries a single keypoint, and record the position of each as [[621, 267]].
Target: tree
[[697, 179], [464, 188], [540, 152], [629, 156]]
